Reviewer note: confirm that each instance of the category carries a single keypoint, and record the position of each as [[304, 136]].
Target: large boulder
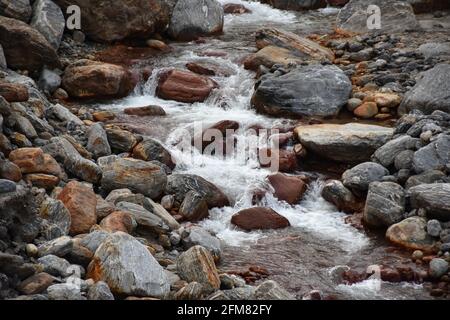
[[298, 5], [430, 92], [25, 48], [128, 268], [184, 86], [434, 198], [195, 18], [396, 16], [16, 9], [118, 20], [411, 233], [434, 156], [139, 176], [49, 20], [259, 218], [348, 143], [360, 177], [91, 79], [306, 91], [385, 204]]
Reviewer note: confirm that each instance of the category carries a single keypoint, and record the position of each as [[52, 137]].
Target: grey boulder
[[360, 177], [434, 198], [49, 20]]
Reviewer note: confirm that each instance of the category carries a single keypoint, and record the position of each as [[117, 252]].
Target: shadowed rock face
[[16, 9], [118, 20]]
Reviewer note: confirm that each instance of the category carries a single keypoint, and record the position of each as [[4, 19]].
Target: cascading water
[[319, 239]]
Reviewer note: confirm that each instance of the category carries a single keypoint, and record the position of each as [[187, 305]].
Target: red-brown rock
[[225, 128], [184, 86], [235, 8], [199, 69], [40, 180], [81, 203], [145, 111], [278, 160], [10, 171], [14, 92], [288, 188], [118, 221], [36, 284], [33, 160], [259, 218]]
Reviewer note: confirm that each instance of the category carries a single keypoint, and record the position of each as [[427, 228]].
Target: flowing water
[[302, 257]]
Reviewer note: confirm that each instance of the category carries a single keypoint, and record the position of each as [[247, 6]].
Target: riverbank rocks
[[98, 143], [348, 143], [360, 177], [121, 19], [120, 140], [288, 188], [270, 290], [145, 111], [18, 9], [197, 264], [118, 221], [438, 268], [152, 150], [336, 193], [434, 156], [195, 235], [434, 198], [195, 18], [184, 86], [33, 160], [24, 47], [57, 216], [128, 268], [137, 175], [92, 79], [36, 284], [387, 154], [81, 203], [385, 204], [180, 184], [270, 56], [411, 234], [14, 92], [397, 16], [49, 20], [306, 91], [146, 220], [194, 207], [430, 92], [259, 218]]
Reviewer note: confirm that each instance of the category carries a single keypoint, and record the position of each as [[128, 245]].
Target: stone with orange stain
[[411, 234], [33, 160], [118, 221], [40, 180], [81, 202]]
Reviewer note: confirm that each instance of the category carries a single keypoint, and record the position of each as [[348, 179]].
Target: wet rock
[[98, 143], [298, 5], [430, 92], [194, 236], [278, 159], [433, 156], [81, 202], [64, 291], [120, 20], [7, 186], [184, 86], [438, 268], [360, 177], [270, 290], [302, 93], [335, 192], [128, 268], [144, 218], [121, 140], [385, 204], [55, 266], [91, 79], [150, 150], [194, 207], [137, 175], [434, 198], [19, 9], [57, 214], [14, 92], [397, 16], [180, 184], [216, 136], [411, 234], [259, 218], [197, 264], [100, 291], [49, 20], [434, 228], [36, 284], [347, 143], [118, 221], [58, 247], [270, 56], [103, 116], [64, 152], [288, 188], [235, 8], [194, 18], [24, 47], [145, 111]]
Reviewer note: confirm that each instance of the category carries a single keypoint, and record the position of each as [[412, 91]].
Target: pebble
[[32, 250], [353, 103], [417, 255]]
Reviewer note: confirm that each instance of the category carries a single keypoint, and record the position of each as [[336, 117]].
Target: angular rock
[[17, 9], [63, 114], [24, 47], [434, 198], [348, 143], [118, 221], [194, 207], [194, 18], [434, 156], [360, 177], [49, 20], [194, 236], [314, 90], [58, 247], [81, 202], [57, 214], [288, 188], [335, 192], [55, 266], [184, 86], [128, 268], [386, 154], [411, 234], [162, 213], [150, 150], [14, 92], [36, 284], [44, 181], [385, 204], [121, 140], [98, 143], [259, 218], [144, 218], [428, 177], [100, 291], [180, 184], [94, 239], [270, 56], [197, 264], [270, 290], [137, 175], [64, 291]]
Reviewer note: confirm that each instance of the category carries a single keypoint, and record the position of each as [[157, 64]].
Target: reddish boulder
[[259, 218], [278, 160], [14, 92], [33, 160], [235, 8], [199, 69], [145, 111], [184, 86], [40, 180], [118, 221], [288, 188], [81, 202]]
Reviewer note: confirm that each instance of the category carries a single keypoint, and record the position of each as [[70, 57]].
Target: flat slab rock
[[348, 143]]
